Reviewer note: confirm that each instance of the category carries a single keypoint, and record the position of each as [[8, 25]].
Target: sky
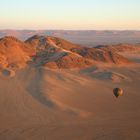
[[70, 14]]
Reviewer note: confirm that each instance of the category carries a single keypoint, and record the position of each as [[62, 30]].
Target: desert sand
[[68, 105], [38, 103]]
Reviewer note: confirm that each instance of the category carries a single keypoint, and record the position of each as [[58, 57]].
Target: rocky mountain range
[[58, 53], [85, 37]]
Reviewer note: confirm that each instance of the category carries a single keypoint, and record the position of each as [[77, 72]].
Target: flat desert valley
[[51, 89]]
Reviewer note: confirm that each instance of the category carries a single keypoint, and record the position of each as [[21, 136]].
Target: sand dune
[[50, 104], [39, 103]]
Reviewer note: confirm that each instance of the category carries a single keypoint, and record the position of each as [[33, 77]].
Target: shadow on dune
[[137, 60], [36, 91]]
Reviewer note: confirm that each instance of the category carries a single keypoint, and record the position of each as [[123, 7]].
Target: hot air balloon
[[118, 92]]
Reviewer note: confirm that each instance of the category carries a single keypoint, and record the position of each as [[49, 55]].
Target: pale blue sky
[[70, 14]]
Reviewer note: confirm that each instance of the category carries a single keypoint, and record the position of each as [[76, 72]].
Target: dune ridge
[[53, 89]]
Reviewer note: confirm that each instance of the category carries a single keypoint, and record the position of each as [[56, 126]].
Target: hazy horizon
[[70, 15], [30, 29]]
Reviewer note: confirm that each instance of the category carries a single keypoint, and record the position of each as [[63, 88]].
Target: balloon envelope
[[118, 92]]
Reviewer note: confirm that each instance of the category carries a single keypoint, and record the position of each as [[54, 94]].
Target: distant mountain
[[102, 55], [120, 47], [88, 38], [56, 53], [13, 53]]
